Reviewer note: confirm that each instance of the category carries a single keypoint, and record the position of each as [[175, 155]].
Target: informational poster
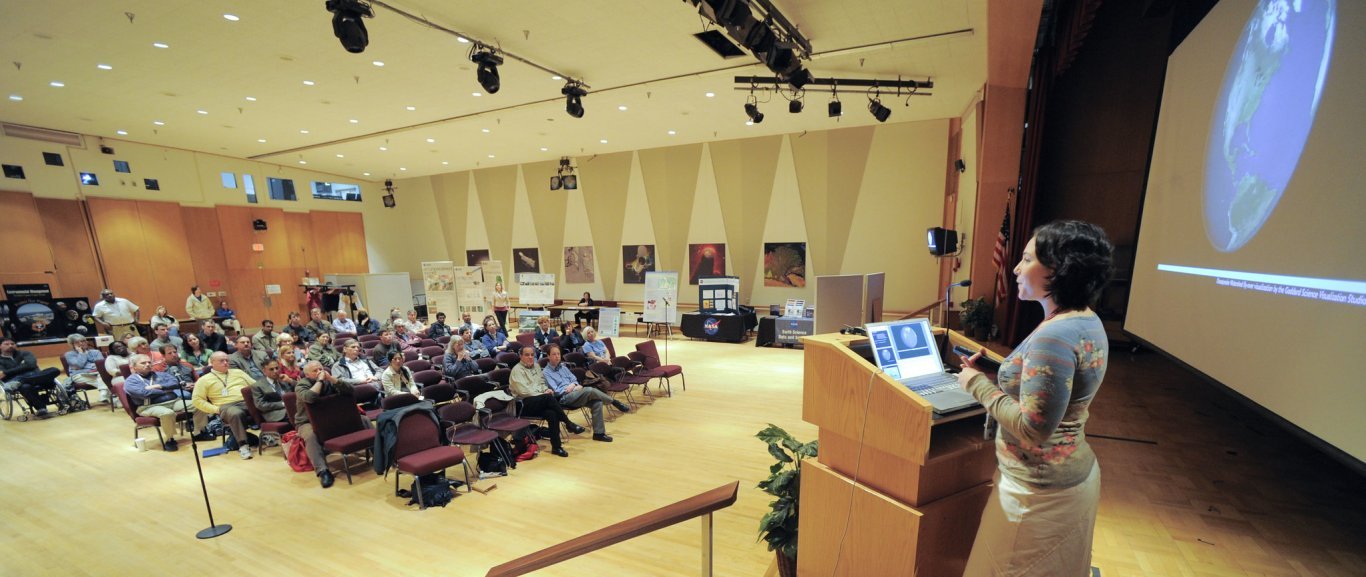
[[718, 294], [661, 296], [32, 317], [637, 260], [579, 265], [526, 260], [609, 322], [794, 308], [438, 281], [469, 294], [537, 289], [526, 320], [494, 279]]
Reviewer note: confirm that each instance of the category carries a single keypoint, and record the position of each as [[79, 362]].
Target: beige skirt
[[1036, 532]]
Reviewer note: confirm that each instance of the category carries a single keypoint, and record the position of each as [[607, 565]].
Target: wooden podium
[[907, 498]]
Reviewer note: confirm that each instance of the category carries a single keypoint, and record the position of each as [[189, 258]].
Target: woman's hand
[[968, 370]]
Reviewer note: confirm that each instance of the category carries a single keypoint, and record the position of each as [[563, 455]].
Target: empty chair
[[513, 347], [507, 360], [368, 395], [367, 338], [339, 428], [341, 337], [629, 378], [434, 388], [576, 359], [421, 450], [652, 363], [424, 343], [526, 339], [499, 419], [276, 428], [418, 365], [291, 408], [443, 341], [400, 400], [432, 352], [458, 418], [411, 355], [473, 386], [486, 364], [614, 386], [499, 377]]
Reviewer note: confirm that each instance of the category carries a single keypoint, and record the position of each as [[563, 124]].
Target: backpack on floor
[[490, 462], [296, 452], [525, 447], [436, 491]]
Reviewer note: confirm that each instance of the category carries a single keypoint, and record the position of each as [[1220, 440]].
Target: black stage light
[[794, 106], [835, 108], [573, 99], [782, 59], [347, 24], [760, 39], [752, 110], [800, 78], [880, 112], [487, 74]]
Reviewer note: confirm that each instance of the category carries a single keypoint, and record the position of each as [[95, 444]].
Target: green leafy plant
[[779, 526], [977, 317]]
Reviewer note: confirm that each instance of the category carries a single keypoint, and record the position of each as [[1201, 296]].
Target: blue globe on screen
[[1265, 110]]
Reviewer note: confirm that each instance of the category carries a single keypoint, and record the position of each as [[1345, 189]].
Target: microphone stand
[[214, 529]]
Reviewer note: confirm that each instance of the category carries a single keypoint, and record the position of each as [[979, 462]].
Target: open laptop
[[906, 351]]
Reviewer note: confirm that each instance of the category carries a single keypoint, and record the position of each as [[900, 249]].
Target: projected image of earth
[[1265, 110]]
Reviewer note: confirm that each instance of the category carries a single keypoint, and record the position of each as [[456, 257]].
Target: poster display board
[[536, 289], [438, 282], [795, 308], [527, 319], [609, 322], [493, 276], [469, 293], [32, 317], [718, 294], [661, 296]]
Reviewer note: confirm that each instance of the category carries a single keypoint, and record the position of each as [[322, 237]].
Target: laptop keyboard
[[937, 383]]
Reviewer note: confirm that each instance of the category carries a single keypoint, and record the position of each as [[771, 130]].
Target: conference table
[[786, 331], [726, 327]]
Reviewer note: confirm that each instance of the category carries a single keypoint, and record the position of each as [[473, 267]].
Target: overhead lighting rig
[[564, 177], [489, 61], [897, 88], [573, 98], [347, 25], [762, 29]]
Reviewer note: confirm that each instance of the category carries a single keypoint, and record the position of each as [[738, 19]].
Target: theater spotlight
[[800, 78], [389, 201], [573, 95], [880, 112], [794, 106], [347, 24], [752, 111], [835, 108], [488, 62]]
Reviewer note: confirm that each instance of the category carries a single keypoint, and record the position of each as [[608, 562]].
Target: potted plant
[[779, 526], [977, 317]]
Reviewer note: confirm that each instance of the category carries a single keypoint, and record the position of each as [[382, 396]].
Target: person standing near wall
[[116, 315]]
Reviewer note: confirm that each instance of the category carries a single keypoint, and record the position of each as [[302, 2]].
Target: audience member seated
[[590, 316], [380, 354], [247, 358], [571, 338], [318, 383], [117, 316], [212, 338], [343, 324], [494, 339], [594, 349], [219, 392], [527, 383], [289, 368], [439, 328], [573, 395], [482, 328], [473, 346], [227, 317], [464, 323], [354, 369], [415, 325], [323, 351], [406, 338], [545, 335], [82, 364], [395, 319], [457, 361], [268, 393], [163, 336], [179, 370], [113, 364], [298, 330], [19, 372], [396, 378], [264, 340], [364, 324], [319, 325], [194, 352], [198, 306], [288, 340], [155, 394], [161, 317], [140, 346]]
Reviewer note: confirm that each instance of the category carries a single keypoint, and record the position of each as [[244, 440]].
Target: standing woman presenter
[[1041, 514]]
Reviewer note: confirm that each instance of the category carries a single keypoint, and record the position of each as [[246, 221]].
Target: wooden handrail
[[922, 310], [690, 508]]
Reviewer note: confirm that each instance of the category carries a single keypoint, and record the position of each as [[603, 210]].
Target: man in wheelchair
[[19, 373]]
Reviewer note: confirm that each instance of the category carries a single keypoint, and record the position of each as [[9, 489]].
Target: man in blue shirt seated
[[155, 395], [572, 395], [473, 346], [180, 370]]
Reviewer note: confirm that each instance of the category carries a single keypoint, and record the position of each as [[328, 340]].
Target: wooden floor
[[1210, 490]]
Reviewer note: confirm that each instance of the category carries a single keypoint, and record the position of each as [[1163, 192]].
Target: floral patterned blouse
[[1041, 404]]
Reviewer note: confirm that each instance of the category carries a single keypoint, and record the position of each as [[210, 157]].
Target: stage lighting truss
[[758, 26], [874, 89]]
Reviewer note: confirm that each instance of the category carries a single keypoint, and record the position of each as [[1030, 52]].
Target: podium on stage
[[894, 491]]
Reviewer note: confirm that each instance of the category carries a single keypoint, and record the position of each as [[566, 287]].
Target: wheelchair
[[15, 407]]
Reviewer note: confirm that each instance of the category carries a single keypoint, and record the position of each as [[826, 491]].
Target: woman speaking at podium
[[1042, 512]]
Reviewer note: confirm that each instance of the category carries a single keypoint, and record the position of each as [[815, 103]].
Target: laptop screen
[[904, 349]]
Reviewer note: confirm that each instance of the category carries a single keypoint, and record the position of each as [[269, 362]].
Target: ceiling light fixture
[[309, 83], [875, 107], [231, 17], [56, 84], [161, 45], [410, 108], [379, 63], [431, 140], [347, 25], [104, 67], [488, 61], [354, 121], [835, 109], [16, 97], [673, 132], [388, 192], [752, 107], [622, 108], [158, 123], [251, 99], [121, 132], [573, 101]]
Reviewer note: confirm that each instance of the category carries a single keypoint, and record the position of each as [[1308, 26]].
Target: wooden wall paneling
[[324, 227], [357, 258], [164, 238], [123, 253], [275, 238], [234, 227], [206, 251], [340, 238], [23, 229], [73, 252], [246, 280], [303, 254]]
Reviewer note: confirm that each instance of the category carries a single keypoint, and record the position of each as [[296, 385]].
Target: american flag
[[998, 258]]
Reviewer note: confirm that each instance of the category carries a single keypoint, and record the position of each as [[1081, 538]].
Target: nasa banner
[[32, 317]]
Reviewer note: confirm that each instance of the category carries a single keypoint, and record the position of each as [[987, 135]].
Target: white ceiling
[[640, 55]]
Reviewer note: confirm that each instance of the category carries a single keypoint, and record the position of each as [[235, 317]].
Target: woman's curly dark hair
[[1079, 254]]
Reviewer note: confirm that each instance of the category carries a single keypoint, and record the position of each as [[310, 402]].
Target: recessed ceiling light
[[749, 123], [158, 123], [603, 141], [711, 95], [445, 162], [262, 140], [484, 130], [251, 99], [231, 17], [476, 94], [402, 168], [354, 121], [673, 132], [121, 132], [410, 108], [309, 83], [431, 140], [556, 77], [490, 156], [161, 45], [56, 84], [544, 149], [341, 156], [622, 108], [379, 63], [384, 148], [462, 40], [104, 67], [303, 131], [202, 111], [365, 173], [16, 97], [303, 162]]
